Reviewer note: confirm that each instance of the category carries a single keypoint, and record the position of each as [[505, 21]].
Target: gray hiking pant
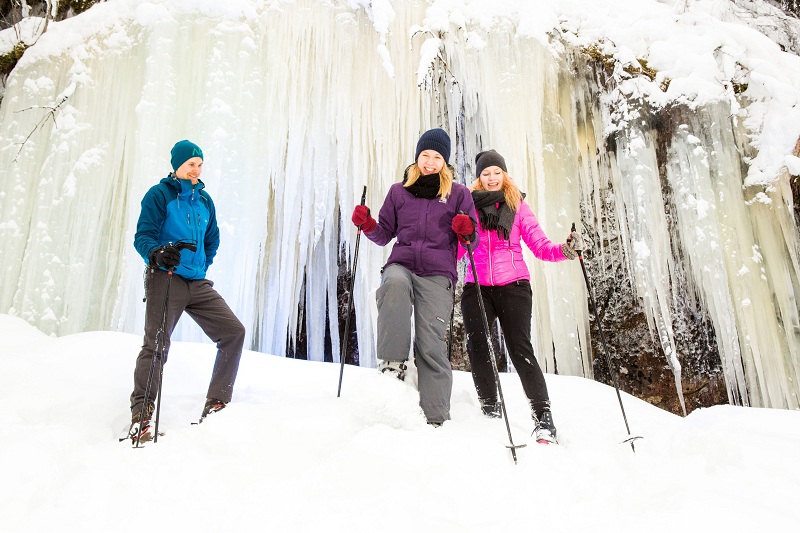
[[206, 307], [431, 298]]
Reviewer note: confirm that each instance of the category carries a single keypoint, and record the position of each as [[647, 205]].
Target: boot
[[398, 368], [545, 429], [211, 406], [140, 425], [490, 407]]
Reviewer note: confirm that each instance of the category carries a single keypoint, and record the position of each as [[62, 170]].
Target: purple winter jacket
[[500, 262], [426, 243]]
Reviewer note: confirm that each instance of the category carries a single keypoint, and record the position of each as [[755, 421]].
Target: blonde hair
[[510, 190], [445, 179]]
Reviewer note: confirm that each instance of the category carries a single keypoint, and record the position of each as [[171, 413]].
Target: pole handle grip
[[578, 250], [363, 201]]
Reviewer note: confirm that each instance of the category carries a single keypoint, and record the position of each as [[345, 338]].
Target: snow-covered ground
[[288, 455]]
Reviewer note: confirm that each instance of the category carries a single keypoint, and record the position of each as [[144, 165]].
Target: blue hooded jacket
[[175, 210]]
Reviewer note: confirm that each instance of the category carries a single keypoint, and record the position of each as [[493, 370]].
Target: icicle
[[508, 93], [292, 133], [641, 208]]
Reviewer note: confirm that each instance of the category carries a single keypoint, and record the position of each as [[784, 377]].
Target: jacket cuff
[[369, 225]]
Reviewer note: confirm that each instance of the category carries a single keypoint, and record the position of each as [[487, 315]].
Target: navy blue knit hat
[[183, 151], [489, 158], [435, 139]]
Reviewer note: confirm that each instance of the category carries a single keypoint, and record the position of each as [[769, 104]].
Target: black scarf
[[492, 217], [425, 186]]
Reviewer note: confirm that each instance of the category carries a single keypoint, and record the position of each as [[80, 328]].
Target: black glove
[[166, 256]]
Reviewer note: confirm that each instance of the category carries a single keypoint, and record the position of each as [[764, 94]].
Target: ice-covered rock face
[[301, 104]]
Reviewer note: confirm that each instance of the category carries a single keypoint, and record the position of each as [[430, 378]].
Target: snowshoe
[[137, 438], [140, 431]]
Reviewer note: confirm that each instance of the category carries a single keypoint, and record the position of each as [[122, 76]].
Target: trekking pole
[[611, 369], [158, 352], [343, 354], [512, 447]]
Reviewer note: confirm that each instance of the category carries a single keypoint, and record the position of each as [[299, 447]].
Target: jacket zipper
[[192, 210], [511, 253], [418, 251]]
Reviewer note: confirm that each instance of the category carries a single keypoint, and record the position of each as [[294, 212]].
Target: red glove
[[463, 226], [361, 217]]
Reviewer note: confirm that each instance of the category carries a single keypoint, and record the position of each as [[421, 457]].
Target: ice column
[[640, 208], [743, 265]]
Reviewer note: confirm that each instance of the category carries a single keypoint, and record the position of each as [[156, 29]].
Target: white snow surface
[[288, 455]]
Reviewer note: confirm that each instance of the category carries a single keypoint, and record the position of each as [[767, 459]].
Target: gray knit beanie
[[486, 159]]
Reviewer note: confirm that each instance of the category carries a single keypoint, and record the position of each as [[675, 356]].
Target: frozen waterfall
[[298, 105]]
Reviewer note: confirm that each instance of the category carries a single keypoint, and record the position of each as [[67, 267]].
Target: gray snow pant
[[432, 300], [206, 307]]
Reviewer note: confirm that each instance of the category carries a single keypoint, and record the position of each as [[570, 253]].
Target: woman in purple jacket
[[428, 214], [504, 221]]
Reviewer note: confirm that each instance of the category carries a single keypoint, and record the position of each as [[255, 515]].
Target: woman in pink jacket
[[505, 221]]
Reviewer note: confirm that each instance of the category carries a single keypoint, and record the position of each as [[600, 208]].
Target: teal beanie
[[183, 151]]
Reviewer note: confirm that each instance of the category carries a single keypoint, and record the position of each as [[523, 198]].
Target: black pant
[[206, 307], [511, 304]]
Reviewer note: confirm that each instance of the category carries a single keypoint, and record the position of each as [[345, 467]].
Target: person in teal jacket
[[177, 235]]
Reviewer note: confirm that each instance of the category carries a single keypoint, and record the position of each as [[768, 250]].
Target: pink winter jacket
[[499, 261]]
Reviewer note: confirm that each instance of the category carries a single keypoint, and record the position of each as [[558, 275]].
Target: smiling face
[[190, 170], [430, 162], [492, 178]]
